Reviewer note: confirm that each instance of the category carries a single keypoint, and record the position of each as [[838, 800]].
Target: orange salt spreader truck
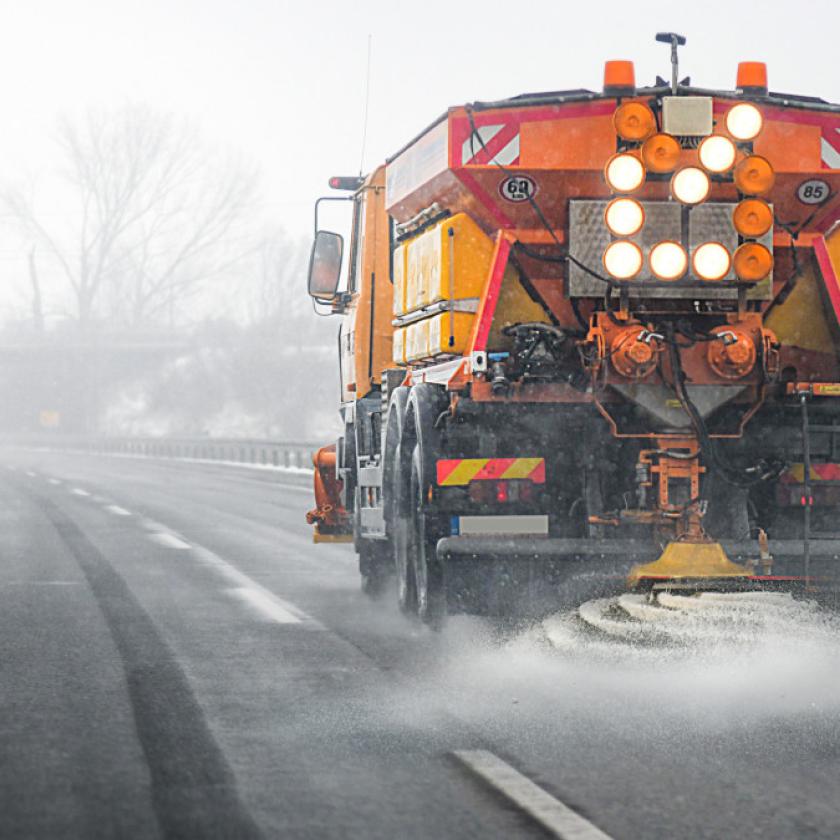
[[591, 339]]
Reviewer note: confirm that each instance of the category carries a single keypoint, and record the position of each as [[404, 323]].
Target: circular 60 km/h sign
[[518, 188]]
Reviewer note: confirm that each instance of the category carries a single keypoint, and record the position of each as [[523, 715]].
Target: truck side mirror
[[325, 264]]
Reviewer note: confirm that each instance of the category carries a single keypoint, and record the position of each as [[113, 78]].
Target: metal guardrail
[[251, 452]]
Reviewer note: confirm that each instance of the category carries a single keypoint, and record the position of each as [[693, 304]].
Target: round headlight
[[752, 217], [624, 216], [661, 153], [634, 121], [690, 185], [711, 261], [754, 175], [717, 153], [753, 262], [668, 260], [623, 260], [744, 121], [624, 173]]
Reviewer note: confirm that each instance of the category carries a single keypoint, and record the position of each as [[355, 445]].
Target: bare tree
[[153, 214]]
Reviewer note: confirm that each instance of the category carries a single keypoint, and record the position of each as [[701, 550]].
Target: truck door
[[347, 331]]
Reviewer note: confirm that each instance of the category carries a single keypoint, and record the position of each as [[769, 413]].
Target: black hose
[[707, 444]]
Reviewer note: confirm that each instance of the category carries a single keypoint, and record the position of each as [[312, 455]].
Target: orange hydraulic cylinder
[[330, 516]]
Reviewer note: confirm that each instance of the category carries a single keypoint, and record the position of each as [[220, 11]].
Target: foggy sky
[[284, 81]]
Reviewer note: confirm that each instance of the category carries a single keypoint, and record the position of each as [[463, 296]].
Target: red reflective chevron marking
[[486, 154], [494, 468]]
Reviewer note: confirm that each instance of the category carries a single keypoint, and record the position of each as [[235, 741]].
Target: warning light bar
[[814, 389], [347, 182]]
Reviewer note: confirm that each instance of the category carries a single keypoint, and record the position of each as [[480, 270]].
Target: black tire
[[429, 583], [375, 569], [403, 565]]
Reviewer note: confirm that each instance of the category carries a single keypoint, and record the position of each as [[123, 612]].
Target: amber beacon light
[[752, 77], [634, 121], [753, 262], [752, 217], [754, 175], [661, 153], [619, 77]]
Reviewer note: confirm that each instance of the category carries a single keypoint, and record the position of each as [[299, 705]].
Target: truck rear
[[590, 340]]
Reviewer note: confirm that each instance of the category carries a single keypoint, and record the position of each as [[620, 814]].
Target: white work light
[[690, 185], [668, 260], [711, 261], [624, 216], [744, 121], [623, 259], [717, 153], [624, 173]]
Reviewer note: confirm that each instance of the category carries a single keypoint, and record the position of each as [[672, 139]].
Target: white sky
[[284, 81]]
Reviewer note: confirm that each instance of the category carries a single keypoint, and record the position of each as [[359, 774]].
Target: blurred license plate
[[529, 524]]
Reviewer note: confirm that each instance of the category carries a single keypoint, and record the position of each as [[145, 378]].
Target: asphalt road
[[177, 659]]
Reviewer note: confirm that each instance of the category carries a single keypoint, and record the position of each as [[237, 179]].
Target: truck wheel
[[430, 591], [375, 569], [403, 567]]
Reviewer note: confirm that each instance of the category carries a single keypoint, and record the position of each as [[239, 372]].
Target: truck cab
[[362, 298]]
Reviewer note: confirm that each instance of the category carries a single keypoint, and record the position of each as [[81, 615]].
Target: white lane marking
[[560, 820], [42, 583], [53, 481], [244, 587], [117, 510], [77, 491], [268, 606], [241, 582], [10, 468], [169, 540], [31, 474]]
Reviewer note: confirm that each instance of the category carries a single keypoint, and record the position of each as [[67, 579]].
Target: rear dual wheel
[[420, 581]]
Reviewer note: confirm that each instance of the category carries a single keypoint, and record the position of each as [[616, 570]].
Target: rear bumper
[[495, 574], [623, 551]]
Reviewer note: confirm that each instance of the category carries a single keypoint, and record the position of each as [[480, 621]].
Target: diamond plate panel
[[589, 236]]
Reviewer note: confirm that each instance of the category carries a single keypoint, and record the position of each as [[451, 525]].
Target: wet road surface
[[179, 660]]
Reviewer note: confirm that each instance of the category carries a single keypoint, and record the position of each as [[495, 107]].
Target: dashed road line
[[268, 606], [244, 588], [558, 819], [77, 491], [54, 481], [117, 510], [259, 596], [169, 540], [31, 474]]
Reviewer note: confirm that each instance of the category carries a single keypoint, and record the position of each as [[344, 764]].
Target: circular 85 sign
[[814, 191]]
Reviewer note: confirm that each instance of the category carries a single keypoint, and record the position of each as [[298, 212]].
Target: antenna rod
[[367, 104], [675, 41]]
